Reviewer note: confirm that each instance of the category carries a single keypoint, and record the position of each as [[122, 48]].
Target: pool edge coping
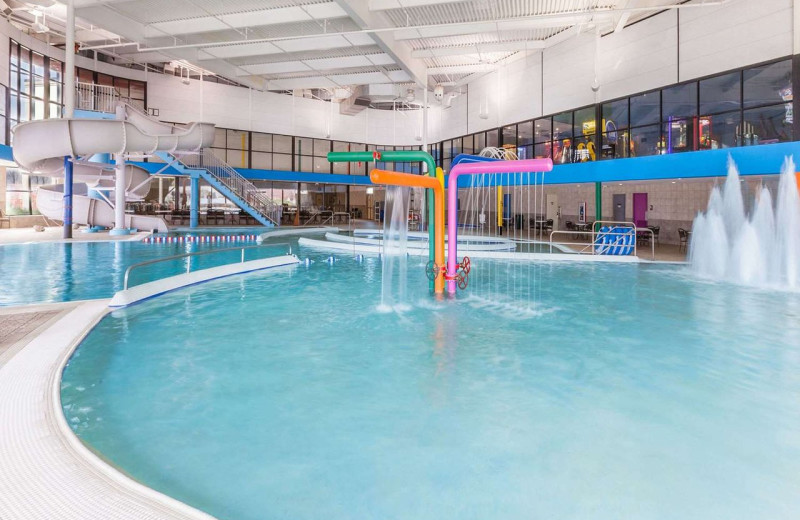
[[121, 495]]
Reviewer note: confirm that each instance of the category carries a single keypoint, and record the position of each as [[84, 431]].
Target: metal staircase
[[231, 184]]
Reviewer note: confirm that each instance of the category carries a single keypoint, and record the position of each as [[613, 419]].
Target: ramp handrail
[[196, 253], [234, 181], [590, 247], [101, 98]]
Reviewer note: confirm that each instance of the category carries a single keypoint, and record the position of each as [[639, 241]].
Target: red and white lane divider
[[201, 239]]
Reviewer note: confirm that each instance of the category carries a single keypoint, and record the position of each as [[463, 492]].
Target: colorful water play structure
[[494, 167], [401, 156], [434, 185]]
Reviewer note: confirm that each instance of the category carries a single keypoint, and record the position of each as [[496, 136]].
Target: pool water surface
[[557, 390]]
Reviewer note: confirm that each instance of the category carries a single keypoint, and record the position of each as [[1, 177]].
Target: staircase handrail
[[234, 181]]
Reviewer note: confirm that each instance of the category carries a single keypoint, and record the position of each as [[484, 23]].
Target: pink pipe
[[524, 166]]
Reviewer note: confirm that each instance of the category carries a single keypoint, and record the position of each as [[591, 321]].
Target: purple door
[[640, 209]]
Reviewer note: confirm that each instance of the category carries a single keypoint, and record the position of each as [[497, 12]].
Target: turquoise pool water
[[56, 271], [553, 391]]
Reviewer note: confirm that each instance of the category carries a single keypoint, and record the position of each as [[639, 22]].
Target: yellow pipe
[[418, 181], [499, 206]]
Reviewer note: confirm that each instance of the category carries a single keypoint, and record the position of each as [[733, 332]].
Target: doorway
[[619, 207], [553, 210], [640, 209]]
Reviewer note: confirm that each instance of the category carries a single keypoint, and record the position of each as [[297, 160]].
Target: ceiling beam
[[480, 48], [383, 5], [400, 52]]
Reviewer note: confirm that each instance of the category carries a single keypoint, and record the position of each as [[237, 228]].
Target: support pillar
[[194, 210], [598, 201], [160, 191], [67, 198], [119, 196], [176, 194]]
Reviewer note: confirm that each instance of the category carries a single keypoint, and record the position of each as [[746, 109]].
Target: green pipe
[[400, 156], [598, 201]]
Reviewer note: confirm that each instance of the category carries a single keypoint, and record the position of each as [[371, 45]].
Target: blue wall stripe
[[751, 160]]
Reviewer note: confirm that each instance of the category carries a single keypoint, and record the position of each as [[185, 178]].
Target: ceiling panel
[[275, 68], [246, 49]]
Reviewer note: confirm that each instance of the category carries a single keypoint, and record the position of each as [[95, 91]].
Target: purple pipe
[[525, 166]]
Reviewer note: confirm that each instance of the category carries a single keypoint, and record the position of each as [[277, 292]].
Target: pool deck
[[46, 471], [54, 234]]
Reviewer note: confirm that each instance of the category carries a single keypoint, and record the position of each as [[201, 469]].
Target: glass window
[[281, 162], [339, 146], [679, 101], [342, 168], [563, 151], [542, 130], [447, 149], [525, 152], [615, 144], [615, 115], [679, 135], [468, 145], [584, 149], [768, 84], [767, 125], [510, 135], [238, 140], [358, 147], [645, 109], [24, 58], [721, 93], [304, 146], [236, 158], [542, 150], [585, 121], [321, 165], [282, 144], [137, 90], [719, 131], [480, 142], [646, 141], [38, 64], [219, 138], [525, 133], [305, 163], [321, 147], [261, 160], [492, 138], [457, 149], [261, 143], [562, 125]]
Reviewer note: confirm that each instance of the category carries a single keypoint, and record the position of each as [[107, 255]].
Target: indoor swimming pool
[[59, 271], [554, 390]]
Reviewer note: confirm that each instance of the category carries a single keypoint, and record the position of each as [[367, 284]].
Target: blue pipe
[[67, 197], [194, 210]]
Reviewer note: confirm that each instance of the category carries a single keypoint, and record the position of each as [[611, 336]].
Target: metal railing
[[593, 248], [198, 253], [235, 182], [96, 98], [101, 98]]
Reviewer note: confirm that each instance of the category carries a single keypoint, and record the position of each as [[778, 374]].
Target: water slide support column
[[119, 187], [195, 209], [69, 111]]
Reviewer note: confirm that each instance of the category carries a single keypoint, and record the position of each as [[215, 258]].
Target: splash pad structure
[[496, 167]]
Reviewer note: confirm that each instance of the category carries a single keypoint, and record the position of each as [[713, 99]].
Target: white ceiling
[[294, 44]]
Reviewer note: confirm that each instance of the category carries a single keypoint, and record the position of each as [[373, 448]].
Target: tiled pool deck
[[45, 471]]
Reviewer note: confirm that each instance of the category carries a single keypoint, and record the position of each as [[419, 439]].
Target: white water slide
[[40, 147]]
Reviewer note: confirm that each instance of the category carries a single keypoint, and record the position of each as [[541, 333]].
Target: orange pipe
[[418, 181], [797, 178]]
